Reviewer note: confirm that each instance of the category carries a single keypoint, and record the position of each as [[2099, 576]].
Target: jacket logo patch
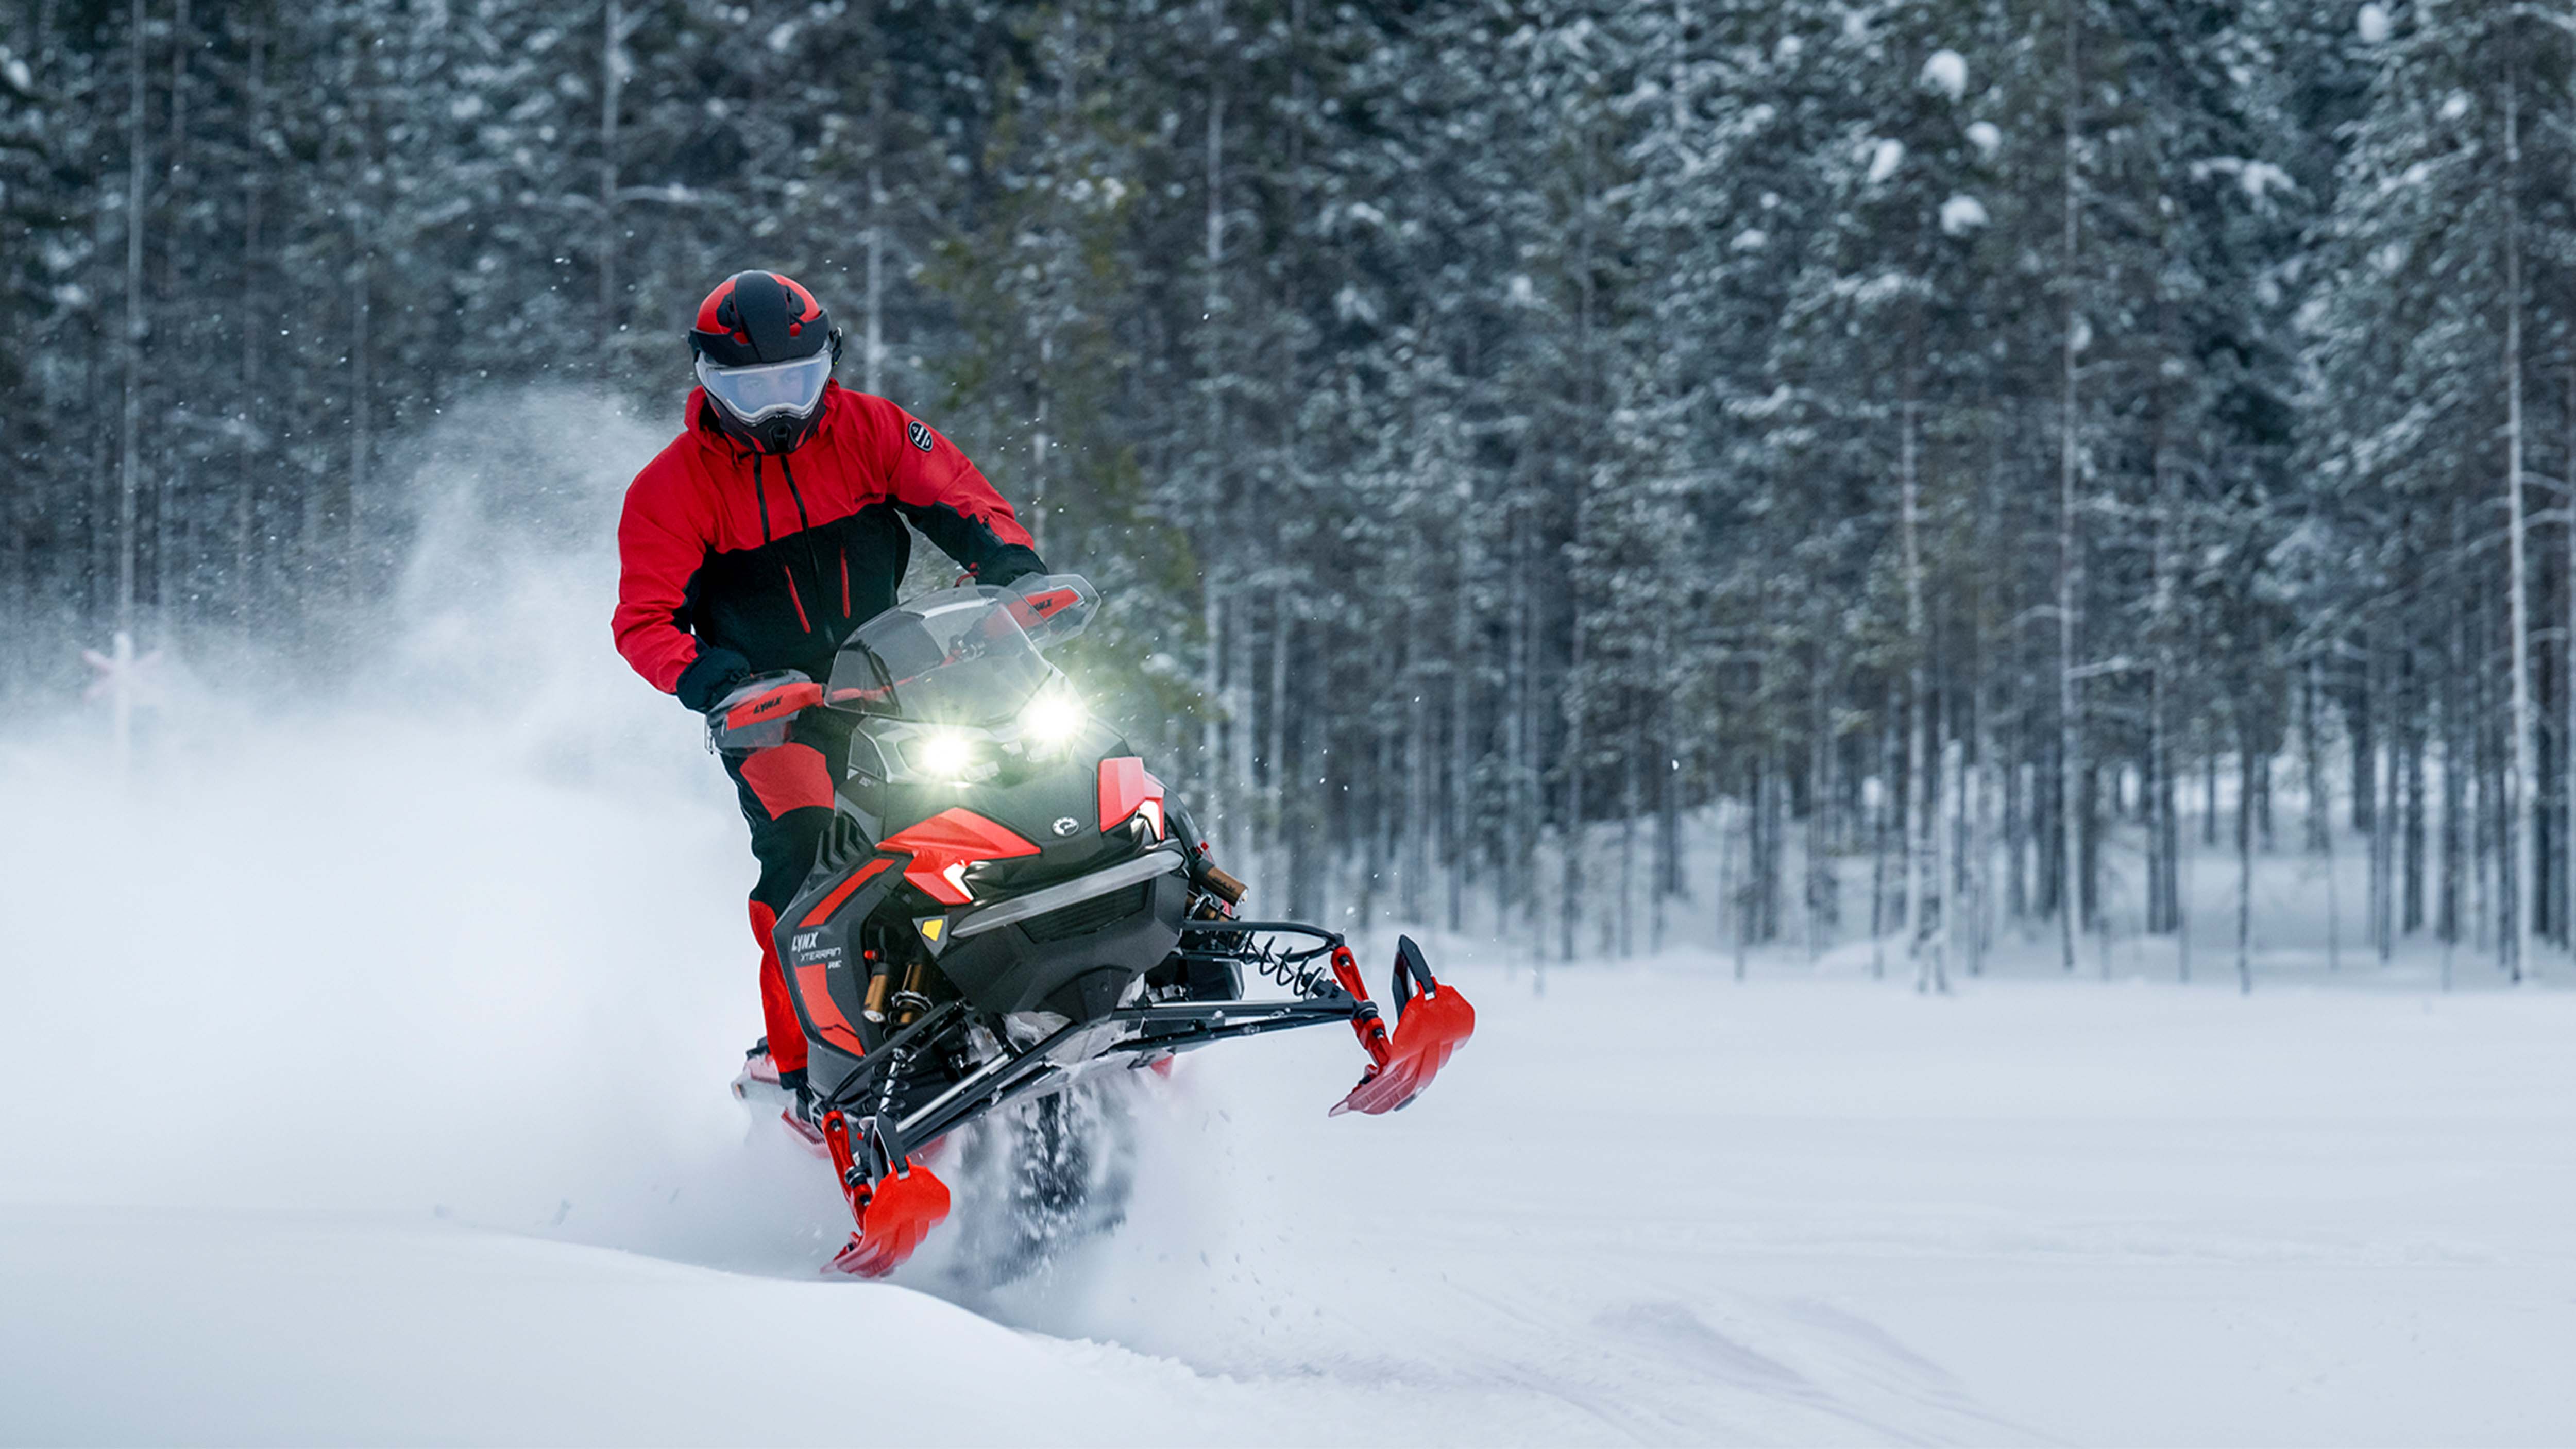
[[919, 432]]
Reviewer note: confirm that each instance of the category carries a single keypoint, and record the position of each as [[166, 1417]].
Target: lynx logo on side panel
[[919, 432]]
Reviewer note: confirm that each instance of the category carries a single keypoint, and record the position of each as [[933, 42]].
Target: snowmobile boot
[[802, 1115], [759, 1073]]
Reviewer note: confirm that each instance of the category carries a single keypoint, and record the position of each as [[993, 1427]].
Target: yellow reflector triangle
[[931, 928]]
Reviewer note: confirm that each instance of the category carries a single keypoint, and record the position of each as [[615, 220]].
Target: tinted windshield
[[953, 657]]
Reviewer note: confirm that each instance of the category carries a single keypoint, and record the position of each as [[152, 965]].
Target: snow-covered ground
[[388, 1105], [362, 1080]]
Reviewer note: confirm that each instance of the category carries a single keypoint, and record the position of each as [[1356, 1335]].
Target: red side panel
[[824, 908], [953, 838], [1125, 788], [789, 777], [824, 1012]]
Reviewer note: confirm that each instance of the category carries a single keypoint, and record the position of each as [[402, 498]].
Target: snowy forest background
[[1944, 459]]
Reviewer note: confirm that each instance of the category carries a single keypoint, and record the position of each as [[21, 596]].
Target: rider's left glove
[[710, 677]]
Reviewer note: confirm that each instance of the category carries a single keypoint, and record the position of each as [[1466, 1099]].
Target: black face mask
[[772, 436], [782, 435]]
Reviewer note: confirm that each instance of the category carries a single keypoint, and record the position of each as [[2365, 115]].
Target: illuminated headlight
[[945, 753], [1052, 719]]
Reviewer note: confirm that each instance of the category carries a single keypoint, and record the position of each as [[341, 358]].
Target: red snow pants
[[786, 797]]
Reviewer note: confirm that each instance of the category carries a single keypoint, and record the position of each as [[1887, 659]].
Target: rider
[[760, 538]]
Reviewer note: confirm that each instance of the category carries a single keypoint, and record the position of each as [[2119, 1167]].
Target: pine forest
[[1899, 471]]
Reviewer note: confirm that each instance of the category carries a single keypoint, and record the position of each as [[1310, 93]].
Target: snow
[[1885, 155], [2371, 23], [365, 1061], [1946, 71], [1987, 137], [1962, 214], [2261, 179]]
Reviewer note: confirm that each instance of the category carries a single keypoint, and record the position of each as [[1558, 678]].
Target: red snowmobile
[[1008, 908]]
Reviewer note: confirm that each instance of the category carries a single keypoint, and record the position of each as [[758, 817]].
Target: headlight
[[1052, 719], [945, 753]]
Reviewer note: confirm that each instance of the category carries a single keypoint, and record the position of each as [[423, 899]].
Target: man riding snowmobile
[[772, 527], [978, 912]]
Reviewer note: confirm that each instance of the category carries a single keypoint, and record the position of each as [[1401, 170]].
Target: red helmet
[[765, 348]]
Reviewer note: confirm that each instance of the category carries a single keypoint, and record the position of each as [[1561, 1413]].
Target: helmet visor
[[770, 389]]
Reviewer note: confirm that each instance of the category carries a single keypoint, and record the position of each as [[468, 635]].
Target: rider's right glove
[[710, 677]]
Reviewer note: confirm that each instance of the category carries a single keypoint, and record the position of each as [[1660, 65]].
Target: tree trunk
[[2567, 684], [246, 573], [1275, 859], [872, 342], [1414, 830], [2209, 796], [1631, 803], [1462, 616], [1512, 881], [2321, 810], [1820, 892], [2411, 742], [2457, 765], [129, 484], [1918, 782], [2523, 790], [1881, 809], [1981, 829], [1212, 622], [1668, 791], [612, 81], [2244, 855], [2070, 544], [1731, 897], [2382, 878], [1932, 966], [1569, 910]]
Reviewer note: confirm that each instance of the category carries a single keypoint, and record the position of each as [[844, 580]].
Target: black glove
[[1008, 566], [710, 677]]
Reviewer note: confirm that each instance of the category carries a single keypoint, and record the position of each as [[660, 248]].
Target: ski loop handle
[[1433, 1023]]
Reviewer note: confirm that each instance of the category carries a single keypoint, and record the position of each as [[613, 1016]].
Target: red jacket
[[778, 558]]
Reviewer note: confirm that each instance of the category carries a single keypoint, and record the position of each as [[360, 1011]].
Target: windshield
[[954, 657]]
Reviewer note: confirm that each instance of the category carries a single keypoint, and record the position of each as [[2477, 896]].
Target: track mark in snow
[[1676, 1333], [1891, 1365]]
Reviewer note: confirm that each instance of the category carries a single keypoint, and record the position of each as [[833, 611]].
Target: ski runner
[[772, 527]]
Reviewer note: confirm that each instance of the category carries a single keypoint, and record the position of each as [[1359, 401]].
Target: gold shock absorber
[[909, 1002], [879, 980]]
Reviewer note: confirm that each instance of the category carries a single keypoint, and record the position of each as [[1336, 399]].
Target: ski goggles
[[770, 389]]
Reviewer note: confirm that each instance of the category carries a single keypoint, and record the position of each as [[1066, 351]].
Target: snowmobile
[[1007, 904]]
